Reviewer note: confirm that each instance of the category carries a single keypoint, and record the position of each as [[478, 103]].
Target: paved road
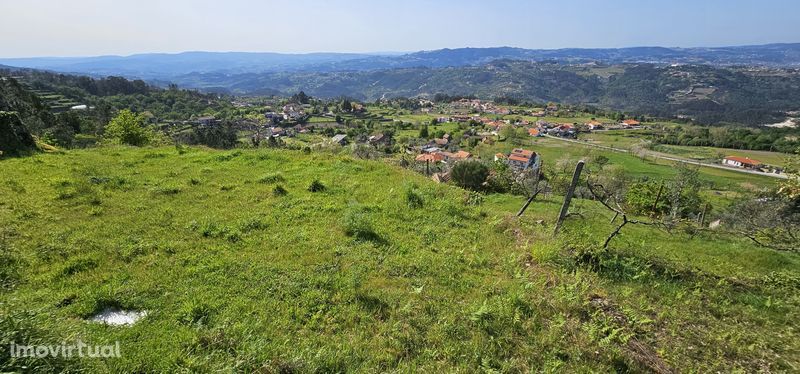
[[662, 156]]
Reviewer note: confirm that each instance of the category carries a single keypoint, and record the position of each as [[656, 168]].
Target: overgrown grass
[[381, 270]]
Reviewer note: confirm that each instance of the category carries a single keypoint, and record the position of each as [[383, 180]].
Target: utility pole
[[568, 197]]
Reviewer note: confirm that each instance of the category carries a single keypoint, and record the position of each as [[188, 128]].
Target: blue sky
[[98, 27]]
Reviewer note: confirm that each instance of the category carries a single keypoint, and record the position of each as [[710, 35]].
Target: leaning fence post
[[568, 197]]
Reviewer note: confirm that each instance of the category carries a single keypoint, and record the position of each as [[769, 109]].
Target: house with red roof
[[430, 157], [741, 162], [522, 159], [594, 125], [630, 123]]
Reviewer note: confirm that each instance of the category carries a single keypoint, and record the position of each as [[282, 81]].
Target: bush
[[279, 191], [272, 178], [414, 198], [14, 136], [129, 128], [469, 174], [316, 186], [217, 136]]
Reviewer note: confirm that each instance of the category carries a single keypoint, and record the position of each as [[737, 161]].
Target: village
[[438, 135]]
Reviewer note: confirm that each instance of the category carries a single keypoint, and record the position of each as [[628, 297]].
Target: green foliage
[[128, 128], [279, 191], [316, 186], [414, 198], [14, 136], [764, 138], [272, 178], [469, 174], [215, 136], [641, 198], [423, 132]]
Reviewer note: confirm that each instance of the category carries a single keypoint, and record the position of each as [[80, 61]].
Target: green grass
[[382, 270], [553, 150], [712, 154], [626, 139]]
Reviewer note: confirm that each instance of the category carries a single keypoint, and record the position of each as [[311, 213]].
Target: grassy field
[[553, 150], [626, 139], [380, 270], [712, 154]]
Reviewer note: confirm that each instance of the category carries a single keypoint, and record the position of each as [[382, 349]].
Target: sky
[[35, 28]]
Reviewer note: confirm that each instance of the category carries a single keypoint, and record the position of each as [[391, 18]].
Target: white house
[[741, 162]]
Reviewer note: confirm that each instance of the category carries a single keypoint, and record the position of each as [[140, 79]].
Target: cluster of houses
[[480, 106], [289, 112]]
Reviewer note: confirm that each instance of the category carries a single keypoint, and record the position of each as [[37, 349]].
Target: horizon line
[[387, 53]]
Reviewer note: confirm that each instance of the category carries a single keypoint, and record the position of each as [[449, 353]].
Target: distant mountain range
[[749, 84], [160, 66]]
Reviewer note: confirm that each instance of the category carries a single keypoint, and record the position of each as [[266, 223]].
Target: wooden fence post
[[568, 197]]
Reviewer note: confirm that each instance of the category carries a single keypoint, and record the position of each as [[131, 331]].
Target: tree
[[469, 174], [423, 132], [508, 134], [347, 106], [128, 128], [301, 98], [14, 136], [217, 136]]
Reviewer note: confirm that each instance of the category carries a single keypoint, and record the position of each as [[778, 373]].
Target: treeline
[[785, 140], [82, 86], [25, 94], [115, 93]]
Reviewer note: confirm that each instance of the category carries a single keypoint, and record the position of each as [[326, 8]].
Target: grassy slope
[[235, 277]]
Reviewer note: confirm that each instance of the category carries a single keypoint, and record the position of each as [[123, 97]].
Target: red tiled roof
[[631, 122], [744, 160], [433, 157], [462, 154], [522, 152], [533, 132], [514, 157]]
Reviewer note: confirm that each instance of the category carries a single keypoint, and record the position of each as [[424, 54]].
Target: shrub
[[414, 198], [469, 174], [272, 178], [14, 136], [316, 186], [219, 136], [129, 128], [473, 198], [279, 191]]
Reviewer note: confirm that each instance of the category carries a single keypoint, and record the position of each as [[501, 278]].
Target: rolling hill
[[165, 66]]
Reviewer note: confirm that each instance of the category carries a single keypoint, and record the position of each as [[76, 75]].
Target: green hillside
[[378, 269], [707, 94]]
